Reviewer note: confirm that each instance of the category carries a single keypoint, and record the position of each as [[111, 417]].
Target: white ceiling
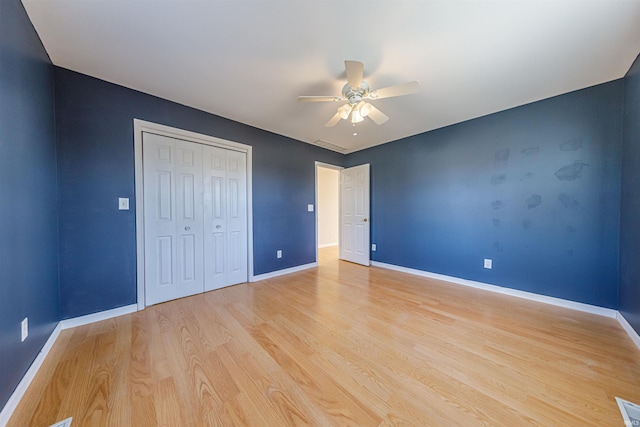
[[248, 60]]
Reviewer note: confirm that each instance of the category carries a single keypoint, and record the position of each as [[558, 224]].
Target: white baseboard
[[24, 383], [629, 329], [327, 245], [283, 272], [96, 317], [587, 308]]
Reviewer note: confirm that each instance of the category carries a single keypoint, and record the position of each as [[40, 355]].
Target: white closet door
[[173, 225], [237, 217], [225, 217]]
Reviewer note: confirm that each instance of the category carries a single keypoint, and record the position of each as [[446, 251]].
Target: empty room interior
[[278, 212]]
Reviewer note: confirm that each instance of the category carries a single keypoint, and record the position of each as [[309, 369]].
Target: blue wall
[[629, 304], [28, 218], [534, 188], [96, 166]]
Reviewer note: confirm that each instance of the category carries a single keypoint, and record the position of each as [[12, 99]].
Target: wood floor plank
[[340, 344]]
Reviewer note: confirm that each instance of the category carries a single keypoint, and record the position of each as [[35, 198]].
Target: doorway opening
[[342, 213], [327, 211]]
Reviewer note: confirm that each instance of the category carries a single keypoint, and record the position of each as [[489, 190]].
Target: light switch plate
[[310, 207], [123, 203]]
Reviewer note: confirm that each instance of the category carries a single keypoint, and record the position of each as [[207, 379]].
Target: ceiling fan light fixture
[[364, 109], [356, 117], [344, 111]]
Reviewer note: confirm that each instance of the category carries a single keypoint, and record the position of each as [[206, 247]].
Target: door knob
[[218, 226], [365, 220]]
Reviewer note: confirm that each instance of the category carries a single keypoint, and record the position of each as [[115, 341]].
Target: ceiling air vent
[[329, 146]]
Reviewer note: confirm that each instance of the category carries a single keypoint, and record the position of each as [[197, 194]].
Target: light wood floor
[[339, 345]]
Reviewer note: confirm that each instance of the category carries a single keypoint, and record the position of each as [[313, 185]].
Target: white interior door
[[225, 213], [354, 214], [173, 218]]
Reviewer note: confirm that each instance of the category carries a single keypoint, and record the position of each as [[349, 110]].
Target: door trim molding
[[140, 126]]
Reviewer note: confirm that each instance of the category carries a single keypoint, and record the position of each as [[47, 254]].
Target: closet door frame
[[140, 126]]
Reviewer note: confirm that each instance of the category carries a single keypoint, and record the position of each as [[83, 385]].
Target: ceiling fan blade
[[397, 90], [376, 115], [355, 71], [333, 120], [320, 98]]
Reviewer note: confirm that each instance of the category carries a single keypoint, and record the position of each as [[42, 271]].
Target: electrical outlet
[[25, 329], [373, 247], [279, 254], [488, 264]]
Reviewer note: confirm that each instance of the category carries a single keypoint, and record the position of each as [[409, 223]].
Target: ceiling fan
[[355, 91]]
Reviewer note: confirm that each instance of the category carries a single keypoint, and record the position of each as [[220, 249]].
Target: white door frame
[[140, 126], [326, 166]]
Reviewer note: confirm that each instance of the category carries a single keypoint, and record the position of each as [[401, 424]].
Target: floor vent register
[[630, 412], [63, 423]]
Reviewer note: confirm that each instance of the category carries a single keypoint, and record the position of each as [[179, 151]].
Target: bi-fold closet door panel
[[173, 218], [195, 218], [225, 217]]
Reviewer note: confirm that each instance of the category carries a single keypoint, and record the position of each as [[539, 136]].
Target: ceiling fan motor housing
[[355, 95]]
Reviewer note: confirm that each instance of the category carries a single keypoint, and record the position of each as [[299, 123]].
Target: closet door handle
[[218, 226], [187, 228]]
